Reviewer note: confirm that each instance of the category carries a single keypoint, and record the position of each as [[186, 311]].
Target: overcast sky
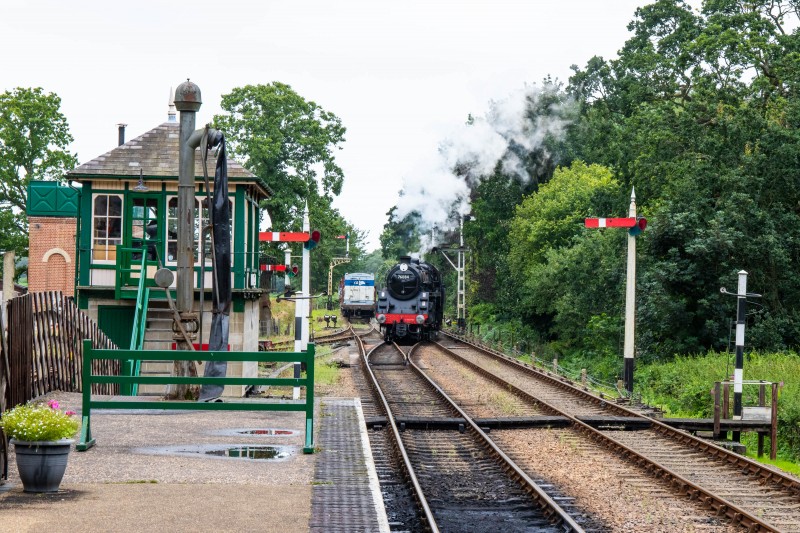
[[400, 75]]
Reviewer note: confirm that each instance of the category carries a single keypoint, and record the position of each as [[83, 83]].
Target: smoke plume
[[439, 186]]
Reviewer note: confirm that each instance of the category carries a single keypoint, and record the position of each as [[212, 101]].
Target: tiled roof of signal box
[[156, 154]]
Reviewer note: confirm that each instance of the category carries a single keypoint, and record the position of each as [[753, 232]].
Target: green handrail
[[138, 331], [125, 261], [132, 367], [306, 405]]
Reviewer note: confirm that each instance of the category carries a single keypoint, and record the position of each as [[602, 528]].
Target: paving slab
[[151, 471]]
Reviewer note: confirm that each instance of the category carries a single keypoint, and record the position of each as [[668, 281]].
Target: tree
[[34, 137], [284, 139], [562, 273], [400, 237], [699, 112]]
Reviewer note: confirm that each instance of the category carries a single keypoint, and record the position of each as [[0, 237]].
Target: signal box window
[[107, 227], [200, 221]]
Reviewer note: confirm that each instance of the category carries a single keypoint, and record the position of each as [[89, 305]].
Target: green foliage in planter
[[39, 422]]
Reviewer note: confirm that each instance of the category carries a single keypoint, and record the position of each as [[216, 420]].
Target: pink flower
[[53, 404], [70, 413]]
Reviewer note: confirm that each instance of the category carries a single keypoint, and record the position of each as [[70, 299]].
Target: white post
[[630, 301], [306, 282], [302, 306], [738, 372], [287, 260]]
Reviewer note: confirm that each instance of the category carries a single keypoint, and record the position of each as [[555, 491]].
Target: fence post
[[773, 424], [761, 403], [309, 354], [555, 365], [583, 377], [86, 441], [716, 409], [726, 403]]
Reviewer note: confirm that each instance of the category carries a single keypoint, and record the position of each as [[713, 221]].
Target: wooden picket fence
[[42, 352]]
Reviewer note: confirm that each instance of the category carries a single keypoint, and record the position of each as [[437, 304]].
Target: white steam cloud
[[440, 185]]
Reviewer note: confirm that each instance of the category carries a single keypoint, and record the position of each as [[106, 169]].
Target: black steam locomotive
[[411, 304]]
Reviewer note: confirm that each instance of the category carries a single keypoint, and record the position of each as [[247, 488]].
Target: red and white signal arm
[[283, 236], [273, 268], [627, 222]]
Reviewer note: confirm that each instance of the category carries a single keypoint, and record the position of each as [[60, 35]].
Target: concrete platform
[[346, 493], [149, 472]]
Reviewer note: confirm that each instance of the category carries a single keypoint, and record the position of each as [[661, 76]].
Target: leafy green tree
[[563, 274], [34, 141], [284, 139], [486, 235], [400, 237], [699, 112]]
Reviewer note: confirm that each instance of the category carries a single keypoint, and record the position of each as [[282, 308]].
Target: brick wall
[[51, 254]]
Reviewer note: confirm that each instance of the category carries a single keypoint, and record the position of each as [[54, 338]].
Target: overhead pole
[[461, 305], [336, 261]]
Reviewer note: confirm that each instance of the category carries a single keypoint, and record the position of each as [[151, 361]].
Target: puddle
[[251, 452], [256, 432], [255, 452]]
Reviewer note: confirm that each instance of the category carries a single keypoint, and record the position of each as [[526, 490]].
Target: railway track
[[460, 478], [730, 486]]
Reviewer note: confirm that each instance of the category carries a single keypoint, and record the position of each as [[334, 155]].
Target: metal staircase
[[152, 323], [157, 336]]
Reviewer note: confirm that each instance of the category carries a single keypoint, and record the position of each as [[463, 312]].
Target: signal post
[[302, 306], [635, 226]]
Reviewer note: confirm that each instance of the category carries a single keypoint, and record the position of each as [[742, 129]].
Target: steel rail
[[552, 510], [754, 467], [698, 443], [720, 505], [398, 441]]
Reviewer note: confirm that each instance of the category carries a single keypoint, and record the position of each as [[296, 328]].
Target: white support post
[[287, 260], [302, 306], [630, 302], [738, 372], [306, 282]]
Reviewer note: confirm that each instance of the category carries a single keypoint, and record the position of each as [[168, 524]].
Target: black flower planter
[[41, 464]]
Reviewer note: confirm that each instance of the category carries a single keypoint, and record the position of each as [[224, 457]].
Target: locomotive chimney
[[405, 259]]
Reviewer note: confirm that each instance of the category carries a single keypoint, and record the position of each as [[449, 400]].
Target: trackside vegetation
[[699, 112]]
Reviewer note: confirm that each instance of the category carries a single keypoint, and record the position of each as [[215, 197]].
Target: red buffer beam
[[283, 236], [610, 222]]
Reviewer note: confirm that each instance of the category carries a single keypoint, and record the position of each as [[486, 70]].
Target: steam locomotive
[[411, 305]]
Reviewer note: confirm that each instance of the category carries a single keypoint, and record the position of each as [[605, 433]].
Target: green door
[[144, 232], [117, 323]]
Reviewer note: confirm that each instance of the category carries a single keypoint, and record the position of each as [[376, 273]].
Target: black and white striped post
[[738, 373]]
